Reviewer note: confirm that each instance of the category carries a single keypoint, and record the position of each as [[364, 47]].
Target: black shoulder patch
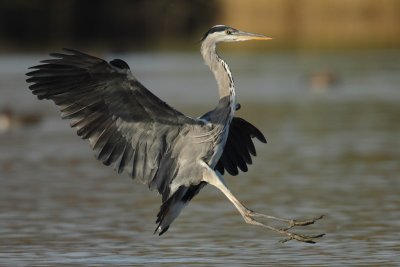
[[119, 63], [238, 106]]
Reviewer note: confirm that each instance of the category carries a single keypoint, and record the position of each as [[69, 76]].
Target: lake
[[333, 129]]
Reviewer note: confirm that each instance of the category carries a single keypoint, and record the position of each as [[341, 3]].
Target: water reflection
[[334, 153]]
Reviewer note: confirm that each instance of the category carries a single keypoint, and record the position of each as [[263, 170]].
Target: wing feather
[[125, 123], [239, 147]]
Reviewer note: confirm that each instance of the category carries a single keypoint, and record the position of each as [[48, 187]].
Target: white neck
[[220, 70]]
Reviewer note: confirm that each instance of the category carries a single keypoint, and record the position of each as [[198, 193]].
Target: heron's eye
[[228, 31]]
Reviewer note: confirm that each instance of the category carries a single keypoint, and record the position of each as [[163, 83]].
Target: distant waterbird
[[130, 128], [9, 120]]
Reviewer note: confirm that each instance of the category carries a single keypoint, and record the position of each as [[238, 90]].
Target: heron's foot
[[302, 238], [293, 223], [249, 218]]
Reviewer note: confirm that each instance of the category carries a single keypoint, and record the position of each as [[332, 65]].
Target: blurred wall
[[30, 25], [318, 23], [117, 24]]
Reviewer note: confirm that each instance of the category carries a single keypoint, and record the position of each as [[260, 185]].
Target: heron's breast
[[218, 147]]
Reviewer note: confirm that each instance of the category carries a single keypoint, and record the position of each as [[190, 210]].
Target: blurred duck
[[9, 120], [322, 81]]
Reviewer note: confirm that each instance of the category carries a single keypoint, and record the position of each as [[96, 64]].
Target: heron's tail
[[172, 207]]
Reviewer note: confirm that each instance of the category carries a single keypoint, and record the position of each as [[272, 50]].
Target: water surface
[[333, 152]]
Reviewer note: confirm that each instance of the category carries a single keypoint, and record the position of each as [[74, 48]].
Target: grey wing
[[239, 147], [125, 123]]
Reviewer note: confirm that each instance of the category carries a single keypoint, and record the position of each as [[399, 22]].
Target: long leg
[[217, 180]]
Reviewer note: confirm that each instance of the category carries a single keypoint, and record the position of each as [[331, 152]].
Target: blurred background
[[126, 25], [325, 91]]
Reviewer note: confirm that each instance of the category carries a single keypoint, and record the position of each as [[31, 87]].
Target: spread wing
[[239, 147], [125, 123]]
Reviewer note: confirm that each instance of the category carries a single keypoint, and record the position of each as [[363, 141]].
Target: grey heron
[[132, 129]]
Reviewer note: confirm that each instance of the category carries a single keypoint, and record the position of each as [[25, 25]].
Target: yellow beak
[[251, 36]]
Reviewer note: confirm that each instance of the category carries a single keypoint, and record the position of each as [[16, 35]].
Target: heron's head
[[222, 33]]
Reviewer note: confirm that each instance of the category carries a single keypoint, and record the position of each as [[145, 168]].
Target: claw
[[285, 240], [317, 236]]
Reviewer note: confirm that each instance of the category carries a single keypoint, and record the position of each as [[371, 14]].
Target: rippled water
[[334, 153]]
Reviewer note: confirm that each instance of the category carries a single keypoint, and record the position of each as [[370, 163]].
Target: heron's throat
[[220, 70]]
